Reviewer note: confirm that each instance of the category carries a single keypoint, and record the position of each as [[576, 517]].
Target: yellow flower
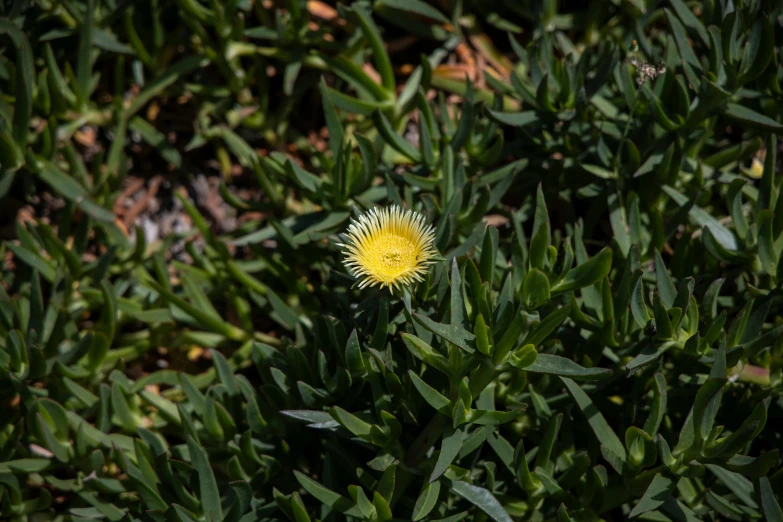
[[389, 247]]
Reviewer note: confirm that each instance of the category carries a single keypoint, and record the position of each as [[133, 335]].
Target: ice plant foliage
[[389, 247]]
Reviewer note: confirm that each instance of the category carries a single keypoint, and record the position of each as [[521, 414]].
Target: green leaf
[[529, 482], [481, 332], [524, 357], [327, 496], [515, 119], [387, 481], [415, 7], [465, 126], [683, 45], [550, 484], [603, 173], [509, 337], [586, 274], [556, 365], [381, 326], [657, 492], [719, 251], [148, 491], [662, 322], [351, 104], [36, 262], [481, 498], [351, 422], [657, 110], [493, 417], [353, 354], [739, 485], [84, 62], [166, 408], [704, 219], [767, 252], [431, 395], [751, 118], [562, 514], [364, 504], [426, 353], [457, 309], [449, 449], [649, 354], [547, 325], [739, 439], [428, 498], [27, 465], [11, 159], [658, 409], [157, 140], [209, 495], [617, 218], [451, 333], [298, 509], [171, 75], [336, 133], [705, 406], [754, 468], [317, 419], [393, 139], [766, 197], [751, 348], [535, 289], [208, 320], [70, 189], [49, 437], [380, 56], [25, 79], [119, 403], [666, 287], [254, 418], [758, 50], [488, 255], [769, 505], [548, 442], [690, 20], [382, 508], [542, 94], [542, 234], [601, 428]]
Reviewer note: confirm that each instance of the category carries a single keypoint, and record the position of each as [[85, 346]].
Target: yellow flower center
[[392, 255]]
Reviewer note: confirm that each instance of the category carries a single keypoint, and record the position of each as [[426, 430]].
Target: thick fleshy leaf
[[449, 449], [586, 274], [481, 498], [556, 365], [454, 334], [769, 503], [327, 496], [601, 428], [210, 496], [427, 500], [657, 492]]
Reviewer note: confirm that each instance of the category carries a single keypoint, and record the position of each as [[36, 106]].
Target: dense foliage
[[601, 337]]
